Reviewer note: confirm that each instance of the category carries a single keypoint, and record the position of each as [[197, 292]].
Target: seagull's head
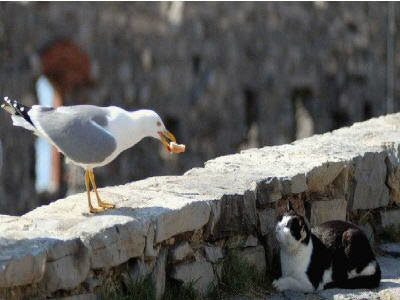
[[155, 128]]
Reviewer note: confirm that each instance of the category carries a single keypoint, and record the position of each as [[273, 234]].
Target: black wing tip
[[7, 106], [13, 107]]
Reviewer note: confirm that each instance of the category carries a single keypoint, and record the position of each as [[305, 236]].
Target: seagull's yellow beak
[[165, 137]]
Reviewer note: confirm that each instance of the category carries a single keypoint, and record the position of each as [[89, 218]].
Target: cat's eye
[[158, 123]]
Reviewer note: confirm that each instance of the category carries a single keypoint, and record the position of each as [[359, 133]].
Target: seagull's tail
[[19, 113]]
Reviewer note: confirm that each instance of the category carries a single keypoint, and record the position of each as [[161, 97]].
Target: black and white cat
[[334, 254]]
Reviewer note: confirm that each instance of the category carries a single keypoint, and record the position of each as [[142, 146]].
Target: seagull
[[91, 136]]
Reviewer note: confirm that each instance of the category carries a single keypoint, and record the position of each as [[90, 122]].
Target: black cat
[[333, 254]]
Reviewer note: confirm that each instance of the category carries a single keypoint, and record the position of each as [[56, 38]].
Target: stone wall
[[224, 76], [180, 227]]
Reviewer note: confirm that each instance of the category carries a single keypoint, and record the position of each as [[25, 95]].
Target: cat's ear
[[304, 225], [289, 206]]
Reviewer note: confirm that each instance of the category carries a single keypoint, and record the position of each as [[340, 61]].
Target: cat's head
[[292, 229]]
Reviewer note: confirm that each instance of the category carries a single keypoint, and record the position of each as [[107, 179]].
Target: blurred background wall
[[223, 76]]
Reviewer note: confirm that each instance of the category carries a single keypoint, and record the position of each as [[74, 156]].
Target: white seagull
[[91, 136]]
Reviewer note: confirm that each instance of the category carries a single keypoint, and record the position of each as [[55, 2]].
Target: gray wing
[[78, 131]]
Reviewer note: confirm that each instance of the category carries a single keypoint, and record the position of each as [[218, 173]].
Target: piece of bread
[[177, 148]]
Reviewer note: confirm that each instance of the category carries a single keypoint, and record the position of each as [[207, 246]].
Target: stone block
[[114, 245], [251, 241], [323, 175], [370, 190], [191, 217], [255, 256], [390, 218], [294, 184], [267, 220], [268, 191], [181, 251], [215, 214], [201, 274], [22, 263], [233, 214], [213, 254], [341, 183], [68, 265], [91, 284], [158, 276], [327, 210], [393, 182], [149, 250]]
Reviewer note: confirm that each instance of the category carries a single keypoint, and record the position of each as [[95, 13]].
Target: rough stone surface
[[268, 191], [370, 177], [234, 214], [255, 256], [321, 176], [113, 245], [267, 220], [199, 273], [93, 284], [149, 250], [213, 254], [325, 210], [393, 181], [391, 249], [181, 251], [190, 217], [294, 184], [21, 262], [251, 241], [390, 218], [158, 276], [68, 271]]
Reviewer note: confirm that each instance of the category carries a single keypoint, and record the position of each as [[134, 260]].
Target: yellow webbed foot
[[95, 210], [106, 204]]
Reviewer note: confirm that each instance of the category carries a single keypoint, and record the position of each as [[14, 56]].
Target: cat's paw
[[280, 284]]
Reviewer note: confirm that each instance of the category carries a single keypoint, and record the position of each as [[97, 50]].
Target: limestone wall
[[224, 76], [180, 227]]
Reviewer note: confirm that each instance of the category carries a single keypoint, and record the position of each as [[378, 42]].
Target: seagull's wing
[[77, 131]]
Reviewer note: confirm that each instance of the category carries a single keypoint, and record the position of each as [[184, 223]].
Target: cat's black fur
[[333, 254], [350, 250]]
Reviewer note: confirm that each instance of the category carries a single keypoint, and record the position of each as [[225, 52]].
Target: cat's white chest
[[294, 269], [296, 264]]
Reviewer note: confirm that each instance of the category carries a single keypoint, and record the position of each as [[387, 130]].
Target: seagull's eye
[[158, 123]]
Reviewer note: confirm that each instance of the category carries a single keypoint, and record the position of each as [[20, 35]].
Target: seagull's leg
[[87, 184], [99, 201]]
